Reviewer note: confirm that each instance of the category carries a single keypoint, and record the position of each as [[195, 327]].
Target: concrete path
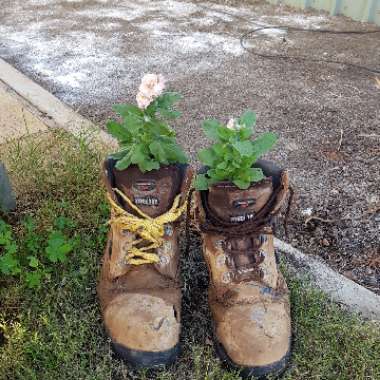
[[15, 119]]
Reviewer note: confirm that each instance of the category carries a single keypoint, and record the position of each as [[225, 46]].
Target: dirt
[[91, 54]]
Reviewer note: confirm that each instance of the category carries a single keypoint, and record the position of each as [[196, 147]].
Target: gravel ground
[[92, 53]]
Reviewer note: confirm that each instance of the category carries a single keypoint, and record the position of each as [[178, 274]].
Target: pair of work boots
[[140, 289]]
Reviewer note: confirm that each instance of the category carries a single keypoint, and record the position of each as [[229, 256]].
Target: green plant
[[233, 154], [35, 254], [144, 135]]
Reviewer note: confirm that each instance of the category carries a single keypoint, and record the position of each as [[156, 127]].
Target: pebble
[[325, 242]]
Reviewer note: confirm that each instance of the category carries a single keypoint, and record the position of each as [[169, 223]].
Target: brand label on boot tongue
[[146, 201], [145, 185], [242, 217]]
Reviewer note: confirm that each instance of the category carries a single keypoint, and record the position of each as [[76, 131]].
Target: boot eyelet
[[168, 230], [219, 243], [220, 260], [164, 260], [263, 238], [226, 277]]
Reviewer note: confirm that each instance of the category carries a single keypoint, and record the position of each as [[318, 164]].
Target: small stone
[[325, 242]]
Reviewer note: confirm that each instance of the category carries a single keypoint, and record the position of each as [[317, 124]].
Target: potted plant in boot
[[147, 183], [238, 196]]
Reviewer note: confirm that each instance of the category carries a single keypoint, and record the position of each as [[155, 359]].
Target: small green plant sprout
[[33, 256], [233, 154], [144, 135]]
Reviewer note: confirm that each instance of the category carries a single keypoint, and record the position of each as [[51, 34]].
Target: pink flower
[[143, 101], [152, 86]]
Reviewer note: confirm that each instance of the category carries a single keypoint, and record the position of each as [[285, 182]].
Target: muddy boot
[[139, 288], [248, 295]]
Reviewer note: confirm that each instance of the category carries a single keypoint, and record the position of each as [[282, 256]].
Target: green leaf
[[164, 104], [33, 279], [243, 185], [210, 128], [33, 261], [248, 119], [175, 153], [9, 265], [124, 162], [139, 154], [127, 109], [245, 133], [207, 156], [201, 182], [148, 165], [263, 143], [243, 147], [58, 247], [133, 123], [225, 134], [158, 151], [222, 165], [217, 174], [256, 174], [118, 131]]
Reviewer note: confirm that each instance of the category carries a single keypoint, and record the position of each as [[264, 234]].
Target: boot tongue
[[152, 192], [233, 205]]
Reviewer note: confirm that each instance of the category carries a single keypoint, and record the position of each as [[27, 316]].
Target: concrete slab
[[15, 120], [14, 112]]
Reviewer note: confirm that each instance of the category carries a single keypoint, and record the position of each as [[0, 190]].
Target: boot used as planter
[[238, 196], [248, 296], [139, 288], [147, 184]]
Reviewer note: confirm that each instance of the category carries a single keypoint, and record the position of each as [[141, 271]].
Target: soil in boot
[[248, 295], [139, 287]]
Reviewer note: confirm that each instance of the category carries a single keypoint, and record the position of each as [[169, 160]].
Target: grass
[[56, 332]]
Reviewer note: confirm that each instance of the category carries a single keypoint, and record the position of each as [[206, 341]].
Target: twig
[[24, 119], [340, 140], [370, 135], [310, 218]]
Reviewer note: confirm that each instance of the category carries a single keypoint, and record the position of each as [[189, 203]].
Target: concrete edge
[[354, 297], [340, 289], [46, 103]]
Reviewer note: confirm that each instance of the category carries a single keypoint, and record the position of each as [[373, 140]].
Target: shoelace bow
[[150, 230]]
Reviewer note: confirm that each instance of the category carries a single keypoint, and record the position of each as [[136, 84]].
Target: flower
[[152, 86], [143, 101], [232, 124]]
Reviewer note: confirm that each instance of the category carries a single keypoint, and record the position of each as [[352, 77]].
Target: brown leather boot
[[248, 295], [139, 287]]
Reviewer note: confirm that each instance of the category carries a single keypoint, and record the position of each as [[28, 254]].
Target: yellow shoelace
[[149, 229]]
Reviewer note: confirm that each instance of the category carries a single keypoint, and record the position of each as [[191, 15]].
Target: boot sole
[[261, 373], [146, 359]]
